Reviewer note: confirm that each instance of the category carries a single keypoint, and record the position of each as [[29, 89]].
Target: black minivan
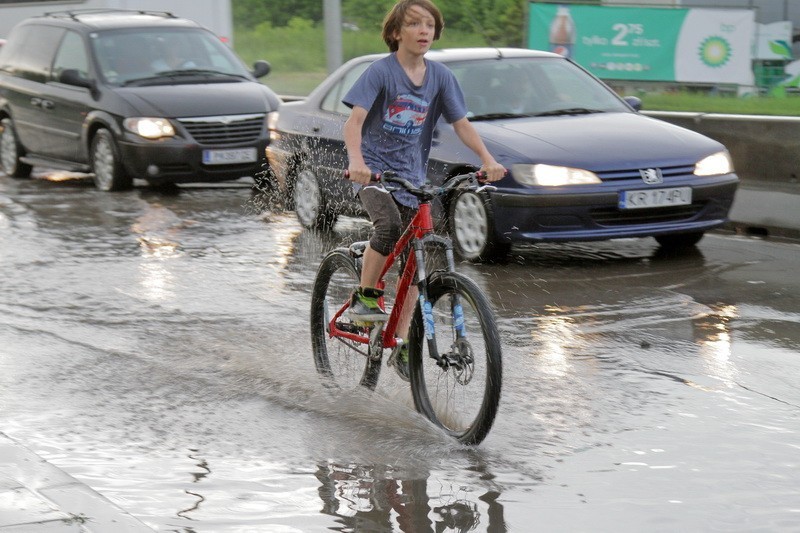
[[129, 94]]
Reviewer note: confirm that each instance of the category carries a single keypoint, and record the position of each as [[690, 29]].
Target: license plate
[[230, 156], [655, 198]]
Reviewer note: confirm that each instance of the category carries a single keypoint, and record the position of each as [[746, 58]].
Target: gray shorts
[[389, 219]]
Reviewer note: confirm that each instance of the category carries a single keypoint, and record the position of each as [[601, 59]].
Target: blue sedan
[[583, 163]]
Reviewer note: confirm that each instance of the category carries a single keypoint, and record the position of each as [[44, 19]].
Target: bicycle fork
[[460, 351]]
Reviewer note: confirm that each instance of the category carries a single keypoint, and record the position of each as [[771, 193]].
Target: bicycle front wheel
[[461, 394], [343, 363]]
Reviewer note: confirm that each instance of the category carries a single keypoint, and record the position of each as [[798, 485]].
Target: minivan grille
[[232, 129]]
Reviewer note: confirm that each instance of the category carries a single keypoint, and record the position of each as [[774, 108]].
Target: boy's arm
[[469, 136], [358, 170]]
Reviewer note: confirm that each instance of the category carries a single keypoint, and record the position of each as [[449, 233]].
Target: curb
[[766, 211]]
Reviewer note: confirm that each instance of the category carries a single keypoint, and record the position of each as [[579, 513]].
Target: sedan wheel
[[109, 174], [310, 204], [10, 152], [472, 229]]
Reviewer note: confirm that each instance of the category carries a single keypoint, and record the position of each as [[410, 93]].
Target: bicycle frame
[[418, 233]]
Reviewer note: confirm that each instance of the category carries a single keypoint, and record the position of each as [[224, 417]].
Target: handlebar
[[427, 191]]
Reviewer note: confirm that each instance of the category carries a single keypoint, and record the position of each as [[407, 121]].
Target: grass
[[297, 55], [742, 105]]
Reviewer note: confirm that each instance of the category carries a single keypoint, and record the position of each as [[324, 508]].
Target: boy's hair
[[395, 18]]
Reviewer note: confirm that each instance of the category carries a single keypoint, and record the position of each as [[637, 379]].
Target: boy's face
[[417, 31]]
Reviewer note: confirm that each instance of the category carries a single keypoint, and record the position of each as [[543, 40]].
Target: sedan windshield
[[152, 54], [525, 87]]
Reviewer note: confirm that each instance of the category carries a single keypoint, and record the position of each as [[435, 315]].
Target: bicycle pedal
[[375, 342]]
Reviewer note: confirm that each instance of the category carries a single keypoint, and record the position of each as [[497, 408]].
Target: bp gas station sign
[[654, 44]]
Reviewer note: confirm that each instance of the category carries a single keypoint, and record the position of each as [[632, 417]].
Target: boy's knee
[[385, 237]]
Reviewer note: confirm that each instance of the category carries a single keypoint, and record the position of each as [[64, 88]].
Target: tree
[[500, 22], [248, 14]]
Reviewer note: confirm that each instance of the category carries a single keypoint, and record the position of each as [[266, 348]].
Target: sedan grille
[[634, 173], [658, 215], [232, 129]]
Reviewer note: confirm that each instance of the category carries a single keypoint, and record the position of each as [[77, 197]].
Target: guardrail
[[290, 98], [766, 154], [764, 148]]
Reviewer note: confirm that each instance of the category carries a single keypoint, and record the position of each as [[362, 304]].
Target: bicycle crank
[[376, 342]]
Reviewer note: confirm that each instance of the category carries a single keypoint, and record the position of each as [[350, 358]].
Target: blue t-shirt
[[401, 117]]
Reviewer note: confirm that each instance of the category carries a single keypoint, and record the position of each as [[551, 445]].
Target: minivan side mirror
[[261, 68], [71, 76]]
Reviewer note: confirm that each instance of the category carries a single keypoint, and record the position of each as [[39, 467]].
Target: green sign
[[658, 44]]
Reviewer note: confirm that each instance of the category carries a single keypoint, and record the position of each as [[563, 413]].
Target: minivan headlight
[[552, 175], [272, 125], [714, 165], [149, 128]]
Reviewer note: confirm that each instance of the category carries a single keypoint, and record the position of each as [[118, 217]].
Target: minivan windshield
[[147, 56]]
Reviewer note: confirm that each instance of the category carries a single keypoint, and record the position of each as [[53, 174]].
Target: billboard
[[774, 41], [653, 44]]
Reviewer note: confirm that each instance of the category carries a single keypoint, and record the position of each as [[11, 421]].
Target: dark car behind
[[129, 95]]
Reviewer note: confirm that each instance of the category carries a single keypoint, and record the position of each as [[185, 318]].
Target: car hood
[[192, 100], [603, 141]]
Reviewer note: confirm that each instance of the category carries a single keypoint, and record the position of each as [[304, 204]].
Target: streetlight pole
[[333, 33]]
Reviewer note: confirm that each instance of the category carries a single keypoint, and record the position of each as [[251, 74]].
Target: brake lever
[[484, 185]]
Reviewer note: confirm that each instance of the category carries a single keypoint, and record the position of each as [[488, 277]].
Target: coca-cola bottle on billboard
[[562, 32]]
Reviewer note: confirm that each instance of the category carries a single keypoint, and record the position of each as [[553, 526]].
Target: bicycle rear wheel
[[461, 397], [344, 364]]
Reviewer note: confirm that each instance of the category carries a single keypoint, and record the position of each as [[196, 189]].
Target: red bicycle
[[455, 357]]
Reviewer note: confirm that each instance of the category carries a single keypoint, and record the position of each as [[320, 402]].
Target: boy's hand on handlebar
[[493, 171], [360, 174]]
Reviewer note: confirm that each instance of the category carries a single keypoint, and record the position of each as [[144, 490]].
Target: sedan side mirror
[[635, 102]]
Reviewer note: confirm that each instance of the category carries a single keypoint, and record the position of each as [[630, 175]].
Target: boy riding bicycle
[[395, 106]]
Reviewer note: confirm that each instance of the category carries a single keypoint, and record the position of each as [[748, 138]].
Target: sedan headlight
[[552, 176], [149, 128], [714, 165]]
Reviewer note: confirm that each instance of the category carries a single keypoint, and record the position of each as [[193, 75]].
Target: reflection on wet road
[[155, 346]]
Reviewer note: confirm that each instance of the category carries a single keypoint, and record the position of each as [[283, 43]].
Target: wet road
[[155, 346]]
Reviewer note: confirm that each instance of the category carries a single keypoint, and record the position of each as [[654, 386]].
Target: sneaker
[[399, 359], [364, 308]]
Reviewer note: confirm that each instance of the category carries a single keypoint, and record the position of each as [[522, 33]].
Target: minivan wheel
[[472, 229], [109, 174], [310, 204], [11, 152]]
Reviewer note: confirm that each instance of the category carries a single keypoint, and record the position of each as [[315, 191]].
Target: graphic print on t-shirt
[[406, 115]]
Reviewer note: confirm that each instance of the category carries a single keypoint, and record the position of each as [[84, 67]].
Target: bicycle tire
[[463, 403], [342, 364]]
